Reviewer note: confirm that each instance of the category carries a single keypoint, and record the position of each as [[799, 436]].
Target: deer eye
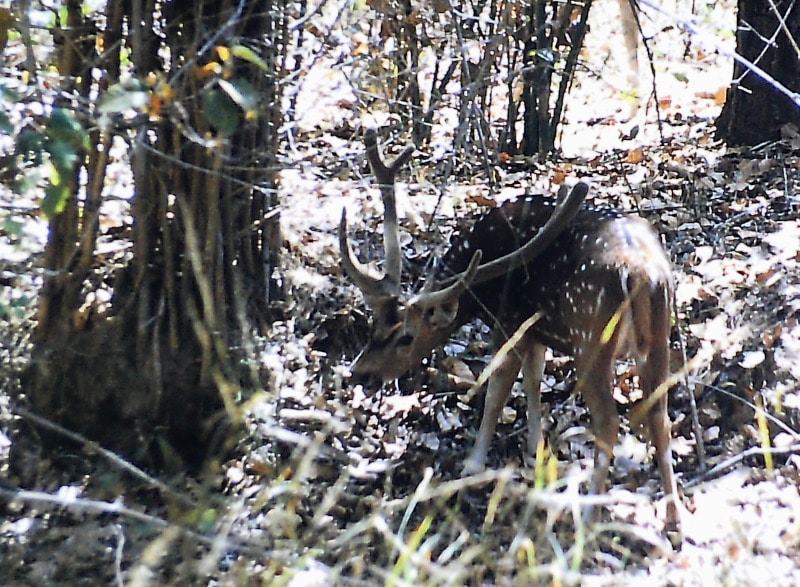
[[405, 340]]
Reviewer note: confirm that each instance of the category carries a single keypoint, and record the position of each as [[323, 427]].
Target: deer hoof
[[472, 467]]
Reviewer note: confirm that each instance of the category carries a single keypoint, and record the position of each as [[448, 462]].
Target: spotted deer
[[598, 279]]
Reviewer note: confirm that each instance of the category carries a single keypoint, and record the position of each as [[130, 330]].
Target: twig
[[651, 63], [569, 72], [81, 505], [774, 419], [24, 28], [719, 469], [118, 552], [116, 507], [696, 428]]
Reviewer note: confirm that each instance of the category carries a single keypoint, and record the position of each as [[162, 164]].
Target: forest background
[[176, 329]]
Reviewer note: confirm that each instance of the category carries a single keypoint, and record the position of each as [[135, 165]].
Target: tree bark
[[155, 374], [754, 111]]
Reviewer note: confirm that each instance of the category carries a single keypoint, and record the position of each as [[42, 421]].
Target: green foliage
[[405, 567], [242, 93], [225, 104], [30, 146], [45, 154], [64, 140], [13, 305], [62, 127], [226, 101], [222, 112], [5, 124], [13, 301], [247, 54], [123, 97]]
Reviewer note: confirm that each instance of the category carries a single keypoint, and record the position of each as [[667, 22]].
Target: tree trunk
[[548, 34], [754, 111], [154, 374]]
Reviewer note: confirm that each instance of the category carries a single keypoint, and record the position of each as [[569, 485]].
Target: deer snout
[[371, 382]]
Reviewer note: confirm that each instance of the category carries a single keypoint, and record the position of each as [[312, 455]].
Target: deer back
[[603, 263]]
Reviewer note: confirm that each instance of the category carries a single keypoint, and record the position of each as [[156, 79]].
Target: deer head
[[404, 331]]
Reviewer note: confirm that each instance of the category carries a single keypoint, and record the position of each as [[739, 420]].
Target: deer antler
[[564, 212], [388, 284], [381, 286], [453, 291], [386, 180], [373, 286]]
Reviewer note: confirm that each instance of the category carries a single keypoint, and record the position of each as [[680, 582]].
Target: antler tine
[[386, 176], [564, 212], [372, 285], [376, 286], [451, 292]]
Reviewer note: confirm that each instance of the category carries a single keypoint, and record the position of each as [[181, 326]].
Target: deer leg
[[651, 319], [497, 394], [532, 371], [653, 373], [595, 370]]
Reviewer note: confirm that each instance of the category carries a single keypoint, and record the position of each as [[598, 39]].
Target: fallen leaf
[[635, 156], [752, 359], [482, 201]]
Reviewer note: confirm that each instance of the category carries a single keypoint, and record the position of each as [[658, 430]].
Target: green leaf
[[242, 93], [13, 227], [62, 155], [222, 113], [247, 54], [30, 179], [5, 124], [9, 94], [55, 198], [208, 520], [123, 97], [30, 145], [547, 55], [63, 127]]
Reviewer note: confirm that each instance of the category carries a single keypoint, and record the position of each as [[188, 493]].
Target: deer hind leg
[[532, 371], [659, 429], [594, 367], [499, 388], [653, 368]]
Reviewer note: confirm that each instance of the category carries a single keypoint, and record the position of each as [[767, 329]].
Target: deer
[[596, 282]]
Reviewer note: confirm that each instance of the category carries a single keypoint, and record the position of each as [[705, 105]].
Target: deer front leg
[[532, 371], [499, 388]]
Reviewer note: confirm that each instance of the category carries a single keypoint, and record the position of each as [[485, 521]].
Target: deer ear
[[441, 315]]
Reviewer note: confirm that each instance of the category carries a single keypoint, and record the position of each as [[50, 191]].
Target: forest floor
[[331, 486]]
